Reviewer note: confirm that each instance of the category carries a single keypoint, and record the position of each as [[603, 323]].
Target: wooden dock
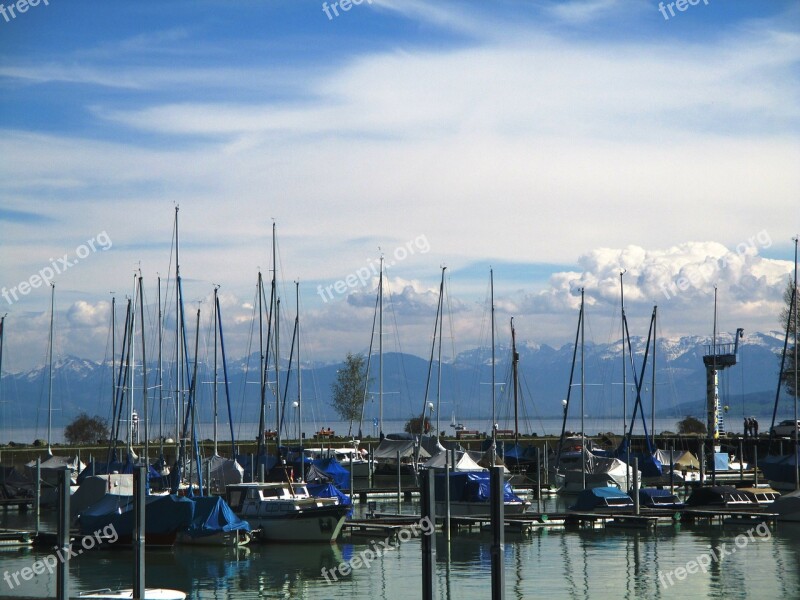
[[16, 539]]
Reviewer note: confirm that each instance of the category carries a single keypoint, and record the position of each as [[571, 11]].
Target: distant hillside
[[747, 388]]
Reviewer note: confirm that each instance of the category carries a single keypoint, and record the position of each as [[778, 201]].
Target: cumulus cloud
[[87, 314]]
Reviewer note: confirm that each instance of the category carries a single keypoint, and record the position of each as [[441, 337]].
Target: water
[[547, 563]]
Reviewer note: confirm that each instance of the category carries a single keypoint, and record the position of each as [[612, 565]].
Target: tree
[[348, 389], [412, 425], [86, 430], [691, 425], [788, 315]]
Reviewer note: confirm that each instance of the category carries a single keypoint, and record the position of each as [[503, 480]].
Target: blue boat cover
[[334, 470], [597, 497], [328, 490], [163, 514], [646, 496], [781, 467], [213, 515], [470, 486]]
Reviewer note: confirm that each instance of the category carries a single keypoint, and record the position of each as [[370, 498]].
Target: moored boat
[[283, 511]]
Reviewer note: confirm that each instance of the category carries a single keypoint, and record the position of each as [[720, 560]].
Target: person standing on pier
[[746, 427]]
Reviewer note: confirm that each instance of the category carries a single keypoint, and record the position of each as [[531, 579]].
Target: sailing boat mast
[[794, 368], [439, 374], [277, 315], [50, 375], [145, 414], [583, 396], [216, 287], [299, 378], [515, 366], [624, 366], [494, 421], [178, 357], [653, 405], [380, 348], [2, 322], [160, 377]]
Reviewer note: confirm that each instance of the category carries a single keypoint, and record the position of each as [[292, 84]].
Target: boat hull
[[318, 524]]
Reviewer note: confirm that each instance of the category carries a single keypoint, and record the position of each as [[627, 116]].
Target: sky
[[556, 143]]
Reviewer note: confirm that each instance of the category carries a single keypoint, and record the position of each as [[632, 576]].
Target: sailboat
[[783, 470], [577, 466], [53, 464]]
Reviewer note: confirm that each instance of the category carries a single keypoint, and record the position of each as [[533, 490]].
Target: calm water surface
[[544, 564]]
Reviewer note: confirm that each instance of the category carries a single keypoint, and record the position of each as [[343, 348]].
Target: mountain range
[[747, 388]]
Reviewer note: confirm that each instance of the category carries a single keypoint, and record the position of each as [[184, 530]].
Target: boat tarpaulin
[[328, 490], [388, 449], [601, 497], [329, 469], [470, 486], [163, 514], [213, 515]]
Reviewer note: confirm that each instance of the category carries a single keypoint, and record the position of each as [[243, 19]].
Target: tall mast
[[299, 378], [796, 433], [178, 361], [2, 322], [50, 375], [132, 346], [380, 347], [653, 407], [494, 417], [624, 366], [583, 396], [160, 377], [277, 340], [216, 453], [515, 365], [113, 354], [439, 375], [145, 414], [262, 367]]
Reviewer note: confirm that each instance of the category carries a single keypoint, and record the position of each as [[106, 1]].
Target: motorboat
[[285, 511], [469, 495]]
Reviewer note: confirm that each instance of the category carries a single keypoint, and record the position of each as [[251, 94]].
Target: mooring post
[[702, 463], [539, 479], [498, 531], [351, 479], [38, 491], [62, 569], [447, 498], [428, 539], [672, 468], [399, 486], [636, 506], [262, 477], [139, 481], [755, 464], [370, 466], [741, 461]]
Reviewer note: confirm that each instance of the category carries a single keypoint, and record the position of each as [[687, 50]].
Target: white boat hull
[[307, 527], [149, 594]]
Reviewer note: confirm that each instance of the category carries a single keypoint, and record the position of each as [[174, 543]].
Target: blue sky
[[557, 142]]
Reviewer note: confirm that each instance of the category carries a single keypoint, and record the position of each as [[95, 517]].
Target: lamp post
[[296, 406]]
